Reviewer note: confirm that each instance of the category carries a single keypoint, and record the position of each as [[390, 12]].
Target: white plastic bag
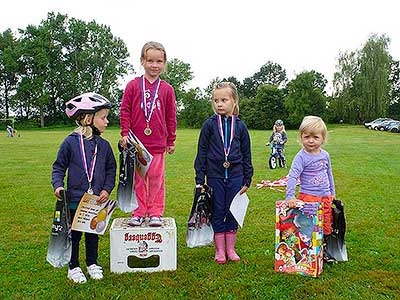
[[199, 236]]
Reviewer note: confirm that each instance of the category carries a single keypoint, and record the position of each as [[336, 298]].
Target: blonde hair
[[155, 46], [282, 130], [234, 93], [313, 124], [84, 121]]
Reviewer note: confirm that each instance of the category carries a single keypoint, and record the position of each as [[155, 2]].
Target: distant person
[[312, 165], [278, 139], [224, 158], [148, 108], [10, 131], [91, 167]]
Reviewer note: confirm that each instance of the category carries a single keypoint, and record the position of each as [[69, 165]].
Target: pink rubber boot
[[219, 239], [230, 246]]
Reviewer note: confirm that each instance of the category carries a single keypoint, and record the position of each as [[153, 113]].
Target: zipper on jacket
[[226, 143]]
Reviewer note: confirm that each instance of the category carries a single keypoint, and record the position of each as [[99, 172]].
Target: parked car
[[395, 127], [374, 123], [385, 124]]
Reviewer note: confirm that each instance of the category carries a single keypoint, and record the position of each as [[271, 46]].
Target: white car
[[374, 123]]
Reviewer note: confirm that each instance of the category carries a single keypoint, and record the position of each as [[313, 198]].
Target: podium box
[[142, 248], [299, 239]]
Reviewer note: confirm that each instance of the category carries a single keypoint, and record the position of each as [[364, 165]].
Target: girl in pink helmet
[[91, 167]]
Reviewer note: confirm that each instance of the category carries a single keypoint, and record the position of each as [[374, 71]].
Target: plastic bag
[[201, 236], [60, 244], [200, 232], [126, 195]]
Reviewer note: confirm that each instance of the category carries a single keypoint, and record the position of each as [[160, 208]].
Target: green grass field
[[366, 167]]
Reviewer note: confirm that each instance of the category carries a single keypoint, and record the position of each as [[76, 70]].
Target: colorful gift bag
[[299, 238]]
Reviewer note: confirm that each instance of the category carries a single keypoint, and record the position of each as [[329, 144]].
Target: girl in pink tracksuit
[[148, 108]]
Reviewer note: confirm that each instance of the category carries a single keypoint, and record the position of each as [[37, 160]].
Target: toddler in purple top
[[312, 165]]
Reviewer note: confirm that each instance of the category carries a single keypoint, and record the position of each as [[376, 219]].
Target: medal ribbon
[[153, 98], [227, 148], [89, 175]]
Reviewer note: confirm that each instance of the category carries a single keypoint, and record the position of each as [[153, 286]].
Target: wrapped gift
[[299, 238]]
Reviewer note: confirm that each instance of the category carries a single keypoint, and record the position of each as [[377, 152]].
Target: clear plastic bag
[[201, 236], [200, 232]]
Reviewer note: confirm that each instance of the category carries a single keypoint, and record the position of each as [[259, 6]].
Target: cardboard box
[[142, 248], [299, 239]]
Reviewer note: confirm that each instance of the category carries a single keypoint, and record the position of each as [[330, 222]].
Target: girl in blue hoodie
[[224, 158]]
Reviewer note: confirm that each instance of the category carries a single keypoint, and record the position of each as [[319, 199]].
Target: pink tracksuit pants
[[150, 191]]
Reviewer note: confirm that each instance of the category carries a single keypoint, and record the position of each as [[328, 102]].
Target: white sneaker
[[76, 275], [155, 222], [135, 221], [95, 272]]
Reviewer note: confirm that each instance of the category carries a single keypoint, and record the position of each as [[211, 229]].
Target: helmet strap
[[95, 130]]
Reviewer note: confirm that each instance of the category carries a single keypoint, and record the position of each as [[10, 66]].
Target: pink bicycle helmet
[[87, 103]]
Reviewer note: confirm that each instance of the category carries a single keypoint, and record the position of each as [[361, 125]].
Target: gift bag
[[200, 232], [299, 238], [126, 195], [59, 249]]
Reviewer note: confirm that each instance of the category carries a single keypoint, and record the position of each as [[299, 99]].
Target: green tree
[[342, 105], [36, 60], [9, 69], [394, 92], [249, 88], [270, 73], [372, 82], [64, 58], [197, 108], [178, 74], [262, 111], [96, 60], [305, 96]]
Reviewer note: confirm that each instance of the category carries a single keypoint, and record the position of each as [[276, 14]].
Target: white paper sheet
[[239, 207]]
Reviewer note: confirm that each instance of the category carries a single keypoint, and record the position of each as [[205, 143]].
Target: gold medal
[[226, 164], [148, 111], [147, 131]]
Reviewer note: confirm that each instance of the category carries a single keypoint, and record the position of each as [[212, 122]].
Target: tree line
[[63, 57]]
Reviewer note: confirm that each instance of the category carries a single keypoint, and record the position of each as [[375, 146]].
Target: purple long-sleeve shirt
[[315, 173]]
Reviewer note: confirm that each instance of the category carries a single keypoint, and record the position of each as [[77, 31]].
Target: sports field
[[366, 168]]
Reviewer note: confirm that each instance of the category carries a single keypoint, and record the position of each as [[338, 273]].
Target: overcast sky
[[228, 37]]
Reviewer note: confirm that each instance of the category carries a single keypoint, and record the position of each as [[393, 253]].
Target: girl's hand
[[124, 140], [170, 149], [244, 189], [57, 191], [291, 202], [103, 197]]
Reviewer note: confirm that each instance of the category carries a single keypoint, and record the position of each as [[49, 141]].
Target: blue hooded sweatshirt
[[69, 157]]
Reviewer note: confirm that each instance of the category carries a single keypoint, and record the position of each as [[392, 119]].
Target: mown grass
[[366, 167]]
